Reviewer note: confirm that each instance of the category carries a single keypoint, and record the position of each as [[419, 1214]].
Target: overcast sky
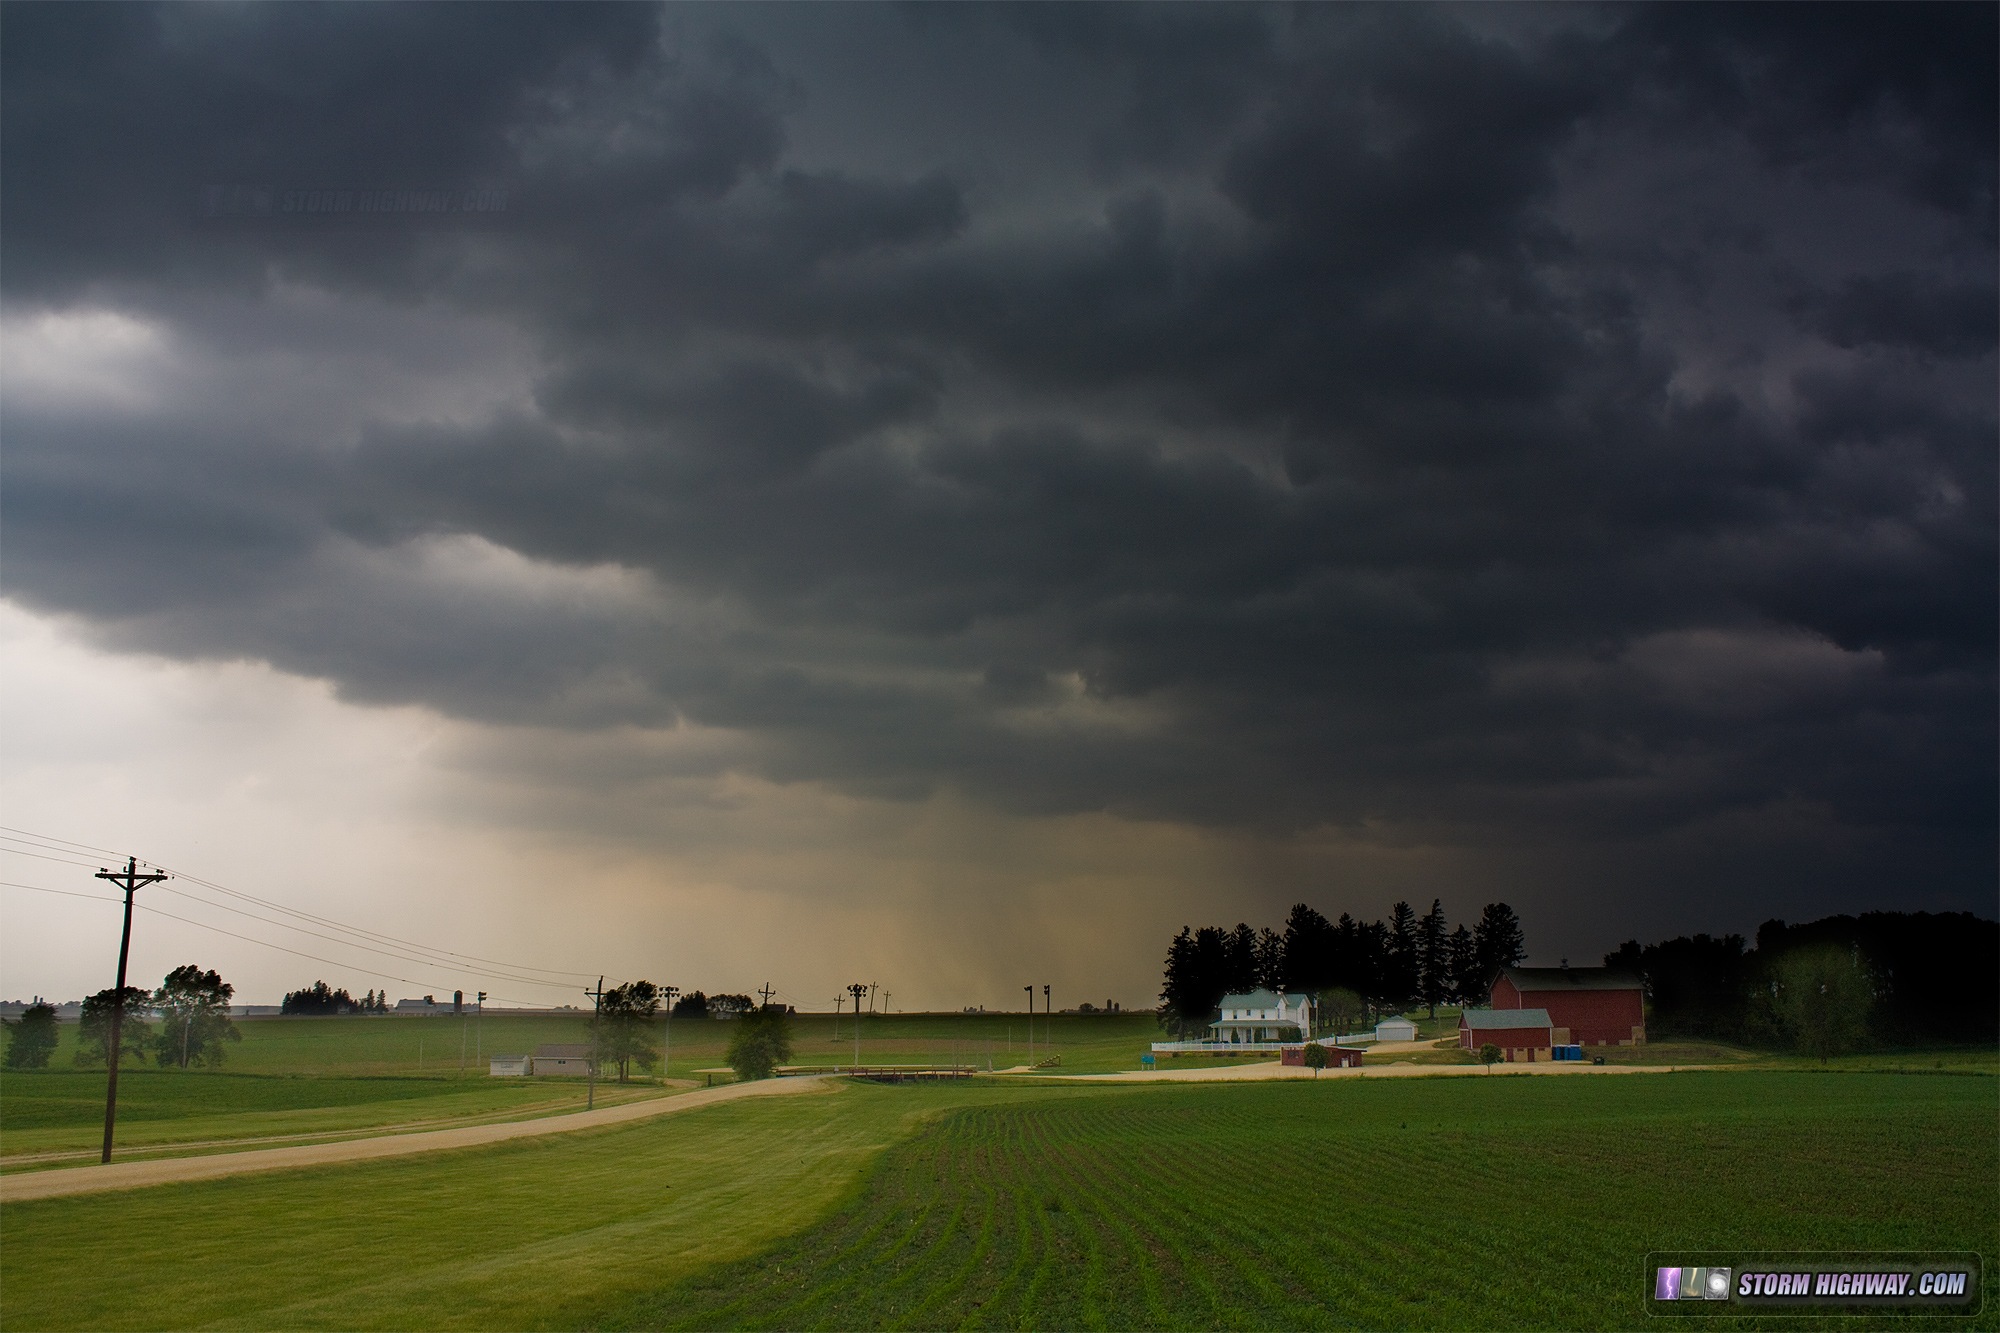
[[944, 496]]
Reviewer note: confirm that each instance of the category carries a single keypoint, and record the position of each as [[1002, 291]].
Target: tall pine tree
[[1498, 942], [1433, 957], [1404, 974]]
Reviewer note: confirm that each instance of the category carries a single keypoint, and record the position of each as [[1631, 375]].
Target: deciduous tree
[[1823, 999], [31, 1038], [194, 1017], [761, 1042], [625, 1028], [94, 1030], [1339, 1007]]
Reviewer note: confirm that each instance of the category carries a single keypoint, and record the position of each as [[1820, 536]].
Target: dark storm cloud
[[1323, 426]]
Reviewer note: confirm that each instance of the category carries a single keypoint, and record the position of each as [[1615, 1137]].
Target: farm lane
[[524, 1111], [175, 1170]]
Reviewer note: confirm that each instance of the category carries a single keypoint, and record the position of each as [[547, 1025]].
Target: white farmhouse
[[1262, 1016]]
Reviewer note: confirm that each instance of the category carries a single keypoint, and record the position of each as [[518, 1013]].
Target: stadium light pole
[[667, 994], [1030, 988], [130, 880], [857, 990]]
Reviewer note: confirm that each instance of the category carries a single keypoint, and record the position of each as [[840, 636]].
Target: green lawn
[[1480, 1202], [48, 1117]]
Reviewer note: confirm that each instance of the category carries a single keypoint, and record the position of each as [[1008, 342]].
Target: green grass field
[[293, 1079], [1449, 1203]]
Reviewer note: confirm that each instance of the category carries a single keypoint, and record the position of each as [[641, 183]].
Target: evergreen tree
[[1271, 960], [1376, 967], [1310, 949], [31, 1038], [1404, 973], [1498, 942], [1464, 966], [1242, 955], [1433, 958]]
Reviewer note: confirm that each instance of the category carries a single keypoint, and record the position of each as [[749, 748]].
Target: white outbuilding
[[1396, 1029]]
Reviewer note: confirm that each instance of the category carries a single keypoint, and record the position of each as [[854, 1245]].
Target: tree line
[[190, 1004], [1353, 967], [320, 999], [1900, 978]]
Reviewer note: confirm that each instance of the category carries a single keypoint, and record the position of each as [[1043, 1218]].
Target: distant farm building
[[1521, 1034], [509, 1066], [560, 1057], [429, 1006], [1337, 1057], [1587, 1006], [1396, 1029]]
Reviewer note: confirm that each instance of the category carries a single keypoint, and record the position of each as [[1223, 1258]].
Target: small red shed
[[1337, 1057], [1521, 1034]]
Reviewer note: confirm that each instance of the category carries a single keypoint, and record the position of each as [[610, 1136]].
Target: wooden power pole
[[130, 880], [590, 1065]]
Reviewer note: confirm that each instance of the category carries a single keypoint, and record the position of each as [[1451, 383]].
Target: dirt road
[[172, 1170]]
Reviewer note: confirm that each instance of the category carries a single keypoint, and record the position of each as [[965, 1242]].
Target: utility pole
[[479, 1031], [765, 994], [1030, 988], [590, 1065], [857, 990], [130, 880], [1051, 1029], [839, 1003]]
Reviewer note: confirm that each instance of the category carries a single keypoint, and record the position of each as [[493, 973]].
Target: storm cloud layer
[[1463, 426]]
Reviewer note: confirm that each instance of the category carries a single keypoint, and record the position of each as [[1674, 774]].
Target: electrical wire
[[114, 902], [401, 949]]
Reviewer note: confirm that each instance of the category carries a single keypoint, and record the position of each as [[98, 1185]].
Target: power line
[[248, 939], [510, 971]]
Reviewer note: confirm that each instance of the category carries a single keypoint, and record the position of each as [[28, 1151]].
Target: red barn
[[1587, 1006], [1521, 1034]]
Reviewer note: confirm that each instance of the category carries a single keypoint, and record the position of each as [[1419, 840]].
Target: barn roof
[[1480, 1020], [563, 1050], [1570, 978]]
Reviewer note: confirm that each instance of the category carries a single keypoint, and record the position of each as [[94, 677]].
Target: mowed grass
[[525, 1235], [48, 1117], [1448, 1203]]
